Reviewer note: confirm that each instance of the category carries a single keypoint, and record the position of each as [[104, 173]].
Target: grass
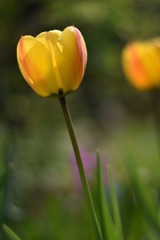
[[43, 188]]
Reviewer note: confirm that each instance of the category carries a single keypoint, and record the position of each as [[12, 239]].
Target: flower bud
[[53, 62], [141, 64]]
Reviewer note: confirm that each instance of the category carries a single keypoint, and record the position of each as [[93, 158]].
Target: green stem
[[81, 168], [156, 115]]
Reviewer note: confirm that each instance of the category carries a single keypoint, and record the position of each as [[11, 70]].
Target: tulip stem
[[156, 114], [81, 168]]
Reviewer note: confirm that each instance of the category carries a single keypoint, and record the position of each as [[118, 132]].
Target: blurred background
[[42, 198]]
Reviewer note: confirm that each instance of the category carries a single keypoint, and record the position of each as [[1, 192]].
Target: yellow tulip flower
[[141, 64], [53, 62]]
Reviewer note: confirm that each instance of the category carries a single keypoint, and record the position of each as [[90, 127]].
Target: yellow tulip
[[53, 62], [141, 64]]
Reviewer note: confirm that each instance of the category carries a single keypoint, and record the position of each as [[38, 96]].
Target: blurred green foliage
[[39, 201]]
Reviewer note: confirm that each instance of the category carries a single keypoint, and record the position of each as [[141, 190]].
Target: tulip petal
[[70, 59], [133, 66], [74, 67], [36, 66], [81, 57], [42, 37]]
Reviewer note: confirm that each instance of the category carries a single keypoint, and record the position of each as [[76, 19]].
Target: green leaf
[[117, 219], [10, 233], [5, 175], [148, 203], [106, 223]]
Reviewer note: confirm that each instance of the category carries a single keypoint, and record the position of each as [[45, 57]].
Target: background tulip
[[53, 61], [141, 64]]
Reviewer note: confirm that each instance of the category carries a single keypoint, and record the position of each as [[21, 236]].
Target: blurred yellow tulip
[[53, 62], [141, 64]]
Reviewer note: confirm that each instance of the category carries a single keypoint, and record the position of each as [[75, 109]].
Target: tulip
[[141, 64], [53, 62]]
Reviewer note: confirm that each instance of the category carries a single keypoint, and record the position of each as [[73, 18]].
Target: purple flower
[[89, 160]]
